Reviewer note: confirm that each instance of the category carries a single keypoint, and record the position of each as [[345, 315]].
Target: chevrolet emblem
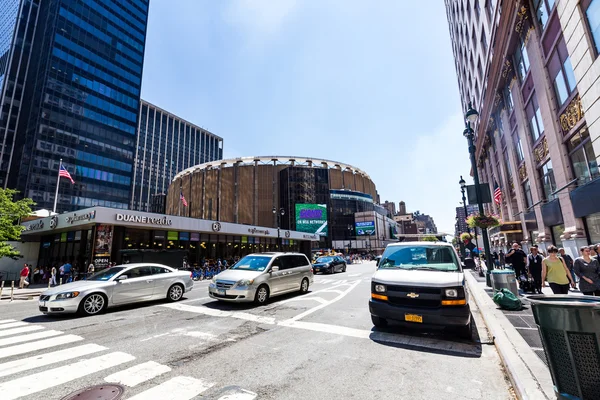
[[412, 295]]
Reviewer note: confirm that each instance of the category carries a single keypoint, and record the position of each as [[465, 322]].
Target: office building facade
[[166, 145], [82, 87], [531, 69]]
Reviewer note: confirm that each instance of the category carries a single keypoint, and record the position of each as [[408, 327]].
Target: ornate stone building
[[531, 69]]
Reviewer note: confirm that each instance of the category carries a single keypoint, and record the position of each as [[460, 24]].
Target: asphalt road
[[318, 346]]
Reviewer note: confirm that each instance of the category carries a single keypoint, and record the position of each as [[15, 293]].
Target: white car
[[119, 285]]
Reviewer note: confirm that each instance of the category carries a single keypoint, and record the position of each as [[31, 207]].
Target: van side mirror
[[274, 268]]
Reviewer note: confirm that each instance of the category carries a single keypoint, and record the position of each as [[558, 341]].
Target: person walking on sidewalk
[[53, 276], [502, 258], [568, 262], [535, 268], [23, 276], [518, 259], [556, 272], [588, 271]]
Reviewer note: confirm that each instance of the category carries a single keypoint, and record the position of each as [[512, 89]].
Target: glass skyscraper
[[83, 93]]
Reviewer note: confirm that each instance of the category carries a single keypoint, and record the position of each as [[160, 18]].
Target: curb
[[528, 374]]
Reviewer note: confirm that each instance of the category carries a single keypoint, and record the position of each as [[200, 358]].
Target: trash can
[[502, 278], [569, 327]]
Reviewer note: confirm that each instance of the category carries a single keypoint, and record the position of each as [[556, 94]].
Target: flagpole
[[179, 210], [57, 185]]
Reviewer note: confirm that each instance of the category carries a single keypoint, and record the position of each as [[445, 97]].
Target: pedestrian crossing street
[[34, 359]]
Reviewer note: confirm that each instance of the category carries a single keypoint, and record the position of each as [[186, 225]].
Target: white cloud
[[259, 16]]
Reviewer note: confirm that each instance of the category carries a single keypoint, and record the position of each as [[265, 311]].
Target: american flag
[[497, 193], [62, 171], [182, 198]]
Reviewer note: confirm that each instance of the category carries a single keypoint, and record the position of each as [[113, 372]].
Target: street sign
[[486, 196]]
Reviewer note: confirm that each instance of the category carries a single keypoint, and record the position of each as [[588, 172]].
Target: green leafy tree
[[11, 212], [429, 239]]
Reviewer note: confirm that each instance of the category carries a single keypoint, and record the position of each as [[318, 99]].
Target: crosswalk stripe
[[22, 329], [178, 388], [28, 338], [5, 321], [39, 345], [38, 361], [13, 325], [34, 383], [138, 373]]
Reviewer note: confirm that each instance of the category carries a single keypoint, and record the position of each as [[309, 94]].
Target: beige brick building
[[531, 69]]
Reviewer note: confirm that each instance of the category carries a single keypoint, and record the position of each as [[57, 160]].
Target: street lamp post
[[463, 186], [279, 214], [470, 117], [349, 239]]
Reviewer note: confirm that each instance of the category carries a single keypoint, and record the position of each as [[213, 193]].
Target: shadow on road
[[438, 342]]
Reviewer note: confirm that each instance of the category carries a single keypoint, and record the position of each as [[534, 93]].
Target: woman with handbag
[[556, 272], [587, 269]]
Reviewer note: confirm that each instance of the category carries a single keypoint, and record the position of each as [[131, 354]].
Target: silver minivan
[[259, 276]]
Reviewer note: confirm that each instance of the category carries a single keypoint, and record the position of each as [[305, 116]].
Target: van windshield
[[419, 257], [252, 263]]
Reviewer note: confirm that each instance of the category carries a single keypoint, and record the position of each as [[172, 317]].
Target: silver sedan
[[119, 285]]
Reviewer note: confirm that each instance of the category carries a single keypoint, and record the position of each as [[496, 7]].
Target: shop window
[[593, 225], [543, 8], [521, 60], [547, 180], [583, 159], [592, 13], [557, 231], [534, 116]]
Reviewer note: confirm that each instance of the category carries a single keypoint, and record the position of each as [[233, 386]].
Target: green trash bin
[[569, 327]]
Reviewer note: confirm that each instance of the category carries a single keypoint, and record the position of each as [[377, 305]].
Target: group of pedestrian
[[558, 269]]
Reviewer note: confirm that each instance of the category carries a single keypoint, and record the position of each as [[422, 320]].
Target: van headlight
[[380, 288], [245, 282], [451, 293], [66, 295]]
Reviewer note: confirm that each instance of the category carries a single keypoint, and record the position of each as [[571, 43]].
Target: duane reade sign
[[141, 219]]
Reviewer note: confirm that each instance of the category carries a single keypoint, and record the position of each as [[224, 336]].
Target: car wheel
[[304, 286], [378, 322], [92, 304], [344, 268], [466, 332], [175, 292], [262, 295], [332, 270]]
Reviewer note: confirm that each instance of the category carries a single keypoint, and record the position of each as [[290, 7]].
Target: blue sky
[[371, 84]]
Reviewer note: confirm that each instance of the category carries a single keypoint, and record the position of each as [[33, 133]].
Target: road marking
[[42, 344], [178, 388], [241, 395], [320, 306], [353, 275], [32, 362], [34, 383], [13, 325], [5, 321], [219, 313], [138, 373], [335, 329], [28, 338], [332, 291], [154, 337], [193, 300], [526, 329], [320, 300], [22, 329]]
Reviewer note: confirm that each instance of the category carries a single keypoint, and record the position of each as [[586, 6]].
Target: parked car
[[260, 276], [330, 264], [421, 283], [115, 286]]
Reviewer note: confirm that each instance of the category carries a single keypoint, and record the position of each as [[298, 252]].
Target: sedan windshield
[[325, 259], [252, 263], [105, 274], [419, 257]]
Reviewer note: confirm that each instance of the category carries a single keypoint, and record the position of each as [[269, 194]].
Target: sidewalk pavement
[[28, 293], [517, 340]]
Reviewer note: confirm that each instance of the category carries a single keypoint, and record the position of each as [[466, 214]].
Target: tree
[[11, 212], [429, 239]]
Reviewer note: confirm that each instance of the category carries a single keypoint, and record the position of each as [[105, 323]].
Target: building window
[[527, 193], [592, 12], [507, 163], [561, 71], [518, 147], [547, 180], [508, 99], [543, 9], [534, 116], [522, 60], [583, 159], [593, 224], [484, 44], [477, 9]]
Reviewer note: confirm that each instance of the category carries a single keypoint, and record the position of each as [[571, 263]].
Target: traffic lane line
[[328, 303], [221, 313], [39, 345], [138, 373], [22, 329], [28, 338], [178, 388]]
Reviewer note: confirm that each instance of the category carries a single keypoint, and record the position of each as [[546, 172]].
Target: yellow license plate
[[413, 318]]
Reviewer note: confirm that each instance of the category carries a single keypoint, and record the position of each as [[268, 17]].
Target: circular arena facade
[[246, 190]]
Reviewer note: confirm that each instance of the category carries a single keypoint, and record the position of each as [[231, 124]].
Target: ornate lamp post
[[279, 215], [463, 186], [470, 117]]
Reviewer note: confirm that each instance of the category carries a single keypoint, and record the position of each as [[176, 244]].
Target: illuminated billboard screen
[[366, 228], [311, 218]]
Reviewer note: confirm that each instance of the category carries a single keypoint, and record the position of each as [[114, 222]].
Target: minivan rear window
[[419, 257]]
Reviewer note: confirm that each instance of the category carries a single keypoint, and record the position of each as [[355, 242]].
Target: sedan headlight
[[245, 282], [67, 295], [451, 292], [380, 288]]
